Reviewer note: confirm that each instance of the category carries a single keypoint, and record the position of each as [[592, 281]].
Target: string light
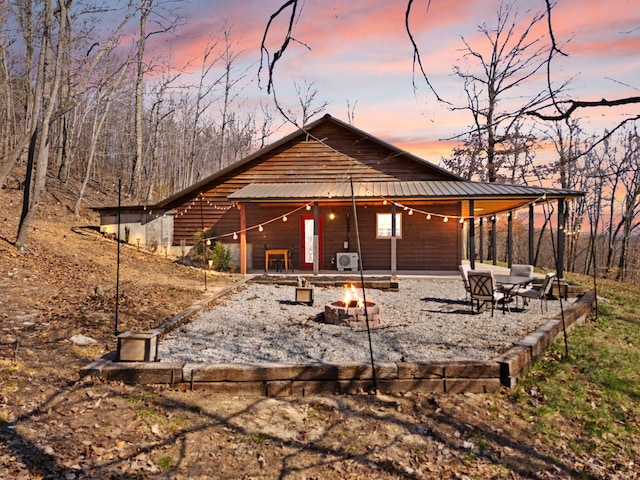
[[260, 227]]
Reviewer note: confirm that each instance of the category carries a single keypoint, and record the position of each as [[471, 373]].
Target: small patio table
[[509, 283], [276, 251]]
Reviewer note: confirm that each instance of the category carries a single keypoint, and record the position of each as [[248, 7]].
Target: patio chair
[[464, 270], [538, 291], [483, 289], [521, 271], [518, 270], [291, 252]]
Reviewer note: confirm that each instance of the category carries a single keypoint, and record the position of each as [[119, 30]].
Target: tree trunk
[[39, 146]]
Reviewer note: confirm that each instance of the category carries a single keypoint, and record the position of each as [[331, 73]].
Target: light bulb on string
[[428, 216], [284, 218], [384, 202], [445, 219], [461, 220], [235, 236], [410, 212], [308, 207], [260, 228]]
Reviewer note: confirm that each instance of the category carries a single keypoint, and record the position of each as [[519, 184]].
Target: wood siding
[[432, 245], [300, 160]]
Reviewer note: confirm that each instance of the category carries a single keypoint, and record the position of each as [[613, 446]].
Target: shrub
[[221, 256]]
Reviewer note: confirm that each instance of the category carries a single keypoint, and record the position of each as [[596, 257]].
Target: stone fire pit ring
[[352, 315]]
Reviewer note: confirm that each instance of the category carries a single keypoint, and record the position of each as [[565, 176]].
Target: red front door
[[306, 242]]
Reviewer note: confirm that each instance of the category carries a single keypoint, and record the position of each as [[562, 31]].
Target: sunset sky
[[359, 53]]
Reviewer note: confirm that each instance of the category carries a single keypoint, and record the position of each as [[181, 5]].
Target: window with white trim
[[383, 225]]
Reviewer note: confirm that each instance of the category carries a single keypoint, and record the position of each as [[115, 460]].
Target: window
[[383, 225]]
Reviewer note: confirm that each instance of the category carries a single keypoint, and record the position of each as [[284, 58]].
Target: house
[[320, 191]]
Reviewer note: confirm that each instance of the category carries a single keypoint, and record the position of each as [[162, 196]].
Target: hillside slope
[[55, 425]]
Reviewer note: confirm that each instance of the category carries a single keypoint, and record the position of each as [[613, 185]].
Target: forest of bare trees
[[85, 103], [83, 100]]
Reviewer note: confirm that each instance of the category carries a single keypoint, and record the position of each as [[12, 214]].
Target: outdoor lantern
[[304, 295], [138, 346]]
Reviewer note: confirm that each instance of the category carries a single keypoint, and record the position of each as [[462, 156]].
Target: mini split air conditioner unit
[[348, 260]]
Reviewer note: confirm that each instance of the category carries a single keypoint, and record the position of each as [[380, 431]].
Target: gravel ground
[[426, 320]]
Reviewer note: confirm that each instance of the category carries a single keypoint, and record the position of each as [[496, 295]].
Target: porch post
[[243, 239], [316, 239], [472, 236], [561, 212], [394, 264], [531, 233], [493, 239], [481, 258], [509, 239]]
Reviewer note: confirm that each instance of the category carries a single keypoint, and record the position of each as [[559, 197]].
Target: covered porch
[[385, 227]]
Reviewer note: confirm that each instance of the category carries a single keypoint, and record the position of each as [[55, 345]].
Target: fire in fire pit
[[352, 311]]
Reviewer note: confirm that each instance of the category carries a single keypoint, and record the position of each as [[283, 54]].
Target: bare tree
[[49, 78], [513, 57], [308, 102], [103, 97], [165, 22], [229, 83]]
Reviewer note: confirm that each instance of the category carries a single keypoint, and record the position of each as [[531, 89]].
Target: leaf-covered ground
[[55, 425]]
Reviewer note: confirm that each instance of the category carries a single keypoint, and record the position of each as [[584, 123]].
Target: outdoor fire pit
[[352, 311]]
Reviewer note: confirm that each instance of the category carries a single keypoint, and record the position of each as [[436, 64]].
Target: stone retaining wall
[[349, 378]]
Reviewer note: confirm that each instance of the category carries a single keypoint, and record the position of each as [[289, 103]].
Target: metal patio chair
[[483, 289]]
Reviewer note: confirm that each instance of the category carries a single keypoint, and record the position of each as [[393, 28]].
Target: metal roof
[[423, 190]]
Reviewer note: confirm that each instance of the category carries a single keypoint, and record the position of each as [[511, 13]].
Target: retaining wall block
[[95, 369], [144, 372], [471, 385], [461, 369], [417, 385], [513, 363], [311, 388], [279, 388], [259, 372], [231, 388], [361, 371]]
